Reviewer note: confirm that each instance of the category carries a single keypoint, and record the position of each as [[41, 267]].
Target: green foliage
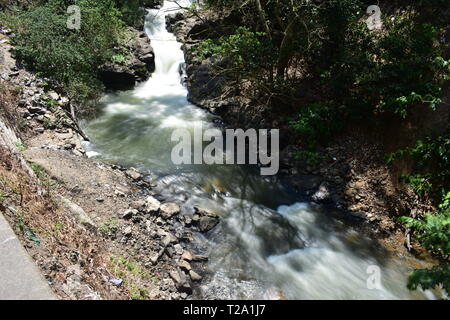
[[433, 232], [37, 169], [310, 158], [2, 197], [109, 227], [432, 159], [431, 278], [247, 54], [315, 122], [45, 44]]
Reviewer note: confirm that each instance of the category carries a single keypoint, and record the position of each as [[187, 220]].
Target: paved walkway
[[20, 278]]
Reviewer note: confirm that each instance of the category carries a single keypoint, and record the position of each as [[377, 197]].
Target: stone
[[154, 259], [133, 174], [168, 239], [116, 281], [53, 95], [184, 265], [128, 214], [152, 205], [178, 249], [207, 223], [194, 276], [181, 282], [127, 231], [205, 212], [187, 255], [36, 110], [138, 205], [169, 209]]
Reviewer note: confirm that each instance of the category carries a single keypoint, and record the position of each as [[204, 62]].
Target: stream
[[271, 243]]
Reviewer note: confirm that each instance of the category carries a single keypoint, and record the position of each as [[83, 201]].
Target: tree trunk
[[286, 48]]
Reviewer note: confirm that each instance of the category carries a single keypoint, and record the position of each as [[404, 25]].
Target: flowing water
[[270, 242]]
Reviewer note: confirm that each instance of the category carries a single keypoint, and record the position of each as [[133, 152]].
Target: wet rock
[[133, 174], [169, 209], [117, 78], [207, 223], [205, 212], [305, 183], [205, 219], [194, 276]]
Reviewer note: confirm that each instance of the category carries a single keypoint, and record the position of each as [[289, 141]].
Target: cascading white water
[[263, 247]]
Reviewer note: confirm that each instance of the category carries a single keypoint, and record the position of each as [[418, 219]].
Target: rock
[[133, 174], [127, 231], [36, 110], [53, 95], [181, 281], [199, 258], [117, 79], [77, 211], [187, 255], [194, 276], [169, 209], [152, 205], [205, 212], [184, 265], [207, 223], [168, 239], [178, 249], [116, 281], [154, 259], [138, 205], [128, 214], [305, 183]]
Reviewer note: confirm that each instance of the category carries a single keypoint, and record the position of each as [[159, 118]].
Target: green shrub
[[433, 232], [315, 122], [247, 54], [432, 161], [45, 44]]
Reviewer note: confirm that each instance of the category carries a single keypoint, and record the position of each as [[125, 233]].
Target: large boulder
[[137, 68]]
